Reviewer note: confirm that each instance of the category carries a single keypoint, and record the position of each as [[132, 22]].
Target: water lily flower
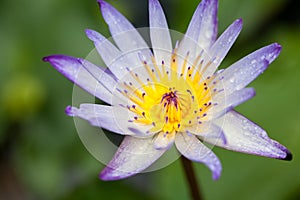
[[169, 93]]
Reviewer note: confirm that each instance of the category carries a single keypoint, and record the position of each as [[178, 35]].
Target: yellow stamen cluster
[[171, 98]]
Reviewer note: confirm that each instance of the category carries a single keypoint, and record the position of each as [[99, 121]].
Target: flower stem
[[191, 178]]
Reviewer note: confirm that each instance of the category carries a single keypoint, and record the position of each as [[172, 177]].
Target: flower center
[[172, 108], [170, 99]]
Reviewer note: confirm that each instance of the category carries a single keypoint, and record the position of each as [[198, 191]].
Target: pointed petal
[[114, 59], [108, 52], [164, 141], [195, 23], [207, 130], [123, 32], [103, 75], [83, 75], [201, 33], [190, 147], [245, 136], [221, 47], [204, 24], [133, 156], [209, 25], [119, 63], [224, 103], [159, 32], [244, 71], [97, 115], [189, 43], [112, 118]]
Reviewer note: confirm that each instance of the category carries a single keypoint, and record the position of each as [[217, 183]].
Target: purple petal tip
[[253, 92], [106, 175], [90, 34], [56, 57], [94, 35], [69, 111], [240, 20], [216, 174], [289, 156], [239, 23], [101, 3], [216, 177], [51, 59], [46, 59], [278, 47]]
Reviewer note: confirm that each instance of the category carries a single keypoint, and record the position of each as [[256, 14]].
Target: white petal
[[117, 61], [102, 75], [241, 73], [82, 73], [193, 149], [159, 32], [98, 115], [108, 52], [123, 32], [203, 25], [221, 47], [189, 43], [209, 24], [120, 64], [112, 118], [223, 103], [163, 140], [133, 156], [201, 33], [245, 136], [207, 130]]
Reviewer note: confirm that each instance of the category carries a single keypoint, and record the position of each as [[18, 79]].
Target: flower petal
[[103, 75], [164, 140], [112, 118], [223, 103], [245, 136], [221, 47], [133, 156], [201, 33], [97, 115], [123, 32], [209, 24], [159, 32], [204, 24], [207, 130], [190, 147], [119, 63], [244, 71], [189, 43], [108, 52], [82, 73]]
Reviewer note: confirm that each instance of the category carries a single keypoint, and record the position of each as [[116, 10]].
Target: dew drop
[[253, 62]]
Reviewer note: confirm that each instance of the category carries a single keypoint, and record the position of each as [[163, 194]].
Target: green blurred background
[[41, 155]]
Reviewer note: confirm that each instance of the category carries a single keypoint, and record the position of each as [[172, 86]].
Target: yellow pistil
[[172, 98]]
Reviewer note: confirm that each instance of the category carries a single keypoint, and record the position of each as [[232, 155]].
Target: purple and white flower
[[166, 94]]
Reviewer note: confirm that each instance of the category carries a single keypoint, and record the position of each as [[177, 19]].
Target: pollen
[[173, 97]]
